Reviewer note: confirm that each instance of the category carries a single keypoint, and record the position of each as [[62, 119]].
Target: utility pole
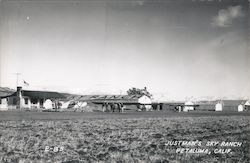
[[18, 92], [17, 74]]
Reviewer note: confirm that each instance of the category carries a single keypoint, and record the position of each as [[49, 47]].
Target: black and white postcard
[[127, 81]]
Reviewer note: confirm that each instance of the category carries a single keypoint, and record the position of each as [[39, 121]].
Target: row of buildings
[[27, 99]]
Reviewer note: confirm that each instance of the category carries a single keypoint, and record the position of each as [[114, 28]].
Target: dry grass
[[121, 140]]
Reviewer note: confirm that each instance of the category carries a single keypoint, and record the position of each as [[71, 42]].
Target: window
[[26, 101], [14, 101], [34, 101], [41, 102]]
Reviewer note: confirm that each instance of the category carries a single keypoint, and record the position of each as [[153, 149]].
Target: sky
[[177, 49]]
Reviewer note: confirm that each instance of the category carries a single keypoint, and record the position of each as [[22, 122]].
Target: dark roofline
[[40, 94]]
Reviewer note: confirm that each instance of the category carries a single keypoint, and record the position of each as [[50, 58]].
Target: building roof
[[233, 102], [224, 102], [4, 91], [109, 98], [40, 94]]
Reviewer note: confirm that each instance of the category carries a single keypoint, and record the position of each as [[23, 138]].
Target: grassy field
[[126, 138], [21, 115]]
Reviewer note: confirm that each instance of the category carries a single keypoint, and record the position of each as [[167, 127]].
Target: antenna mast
[[17, 74]]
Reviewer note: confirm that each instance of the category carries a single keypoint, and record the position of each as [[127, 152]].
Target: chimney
[[19, 97], [145, 88]]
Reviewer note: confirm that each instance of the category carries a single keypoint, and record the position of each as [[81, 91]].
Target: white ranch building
[[28, 99]]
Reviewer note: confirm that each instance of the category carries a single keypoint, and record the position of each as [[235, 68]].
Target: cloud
[[225, 17], [140, 3]]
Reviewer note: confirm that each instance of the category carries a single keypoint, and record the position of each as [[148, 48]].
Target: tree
[[137, 91]]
